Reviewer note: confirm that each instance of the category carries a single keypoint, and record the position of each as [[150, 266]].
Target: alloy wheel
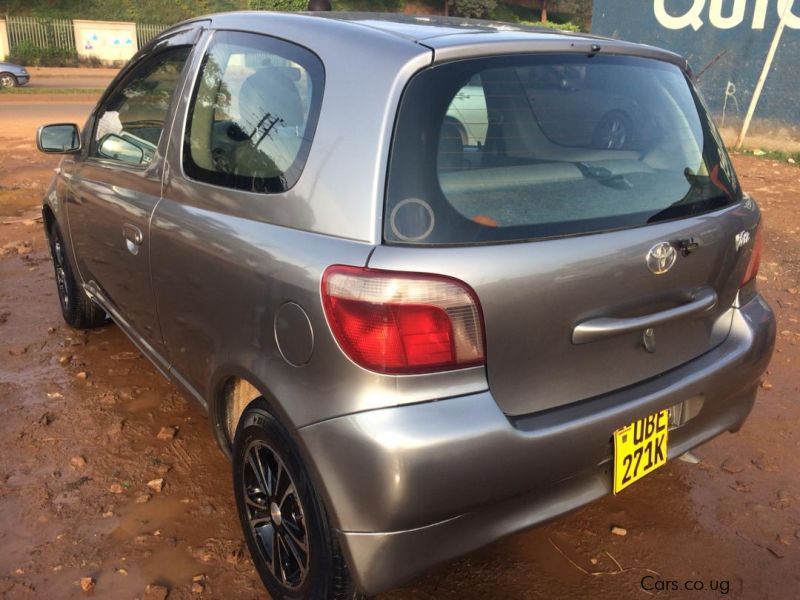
[[612, 132], [617, 134], [61, 277], [275, 515], [7, 81]]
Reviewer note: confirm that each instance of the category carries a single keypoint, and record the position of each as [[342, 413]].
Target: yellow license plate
[[639, 449]]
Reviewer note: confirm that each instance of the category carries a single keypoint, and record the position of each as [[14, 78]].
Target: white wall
[[110, 41], [3, 39]]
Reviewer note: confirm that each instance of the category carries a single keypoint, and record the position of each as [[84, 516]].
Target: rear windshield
[[533, 146]]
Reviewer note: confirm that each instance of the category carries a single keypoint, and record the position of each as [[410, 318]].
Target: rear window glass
[[524, 147]]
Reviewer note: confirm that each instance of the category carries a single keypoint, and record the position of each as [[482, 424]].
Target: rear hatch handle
[[606, 327]]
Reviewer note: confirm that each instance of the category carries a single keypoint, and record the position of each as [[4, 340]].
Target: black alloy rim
[[61, 277], [275, 515]]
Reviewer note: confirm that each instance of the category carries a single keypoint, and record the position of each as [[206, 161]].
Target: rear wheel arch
[[328, 573], [235, 391], [234, 395], [49, 218]]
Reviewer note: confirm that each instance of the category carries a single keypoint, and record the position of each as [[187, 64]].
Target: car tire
[[462, 131], [77, 308], [279, 509], [7, 80], [613, 131]]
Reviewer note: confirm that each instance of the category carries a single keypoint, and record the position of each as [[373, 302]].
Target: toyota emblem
[[661, 258]]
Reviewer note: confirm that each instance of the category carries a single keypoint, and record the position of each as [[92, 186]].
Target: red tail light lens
[[755, 258], [403, 323]]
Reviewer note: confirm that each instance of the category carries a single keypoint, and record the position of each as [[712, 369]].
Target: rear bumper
[[412, 486]]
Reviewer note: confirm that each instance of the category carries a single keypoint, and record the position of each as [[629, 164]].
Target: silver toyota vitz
[[435, 281]]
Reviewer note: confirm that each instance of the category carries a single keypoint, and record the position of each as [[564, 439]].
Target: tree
[[543, 8], [580, 11], [477, 9]]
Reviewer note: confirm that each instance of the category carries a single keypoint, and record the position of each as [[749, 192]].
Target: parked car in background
[[414, 331], [12, 75], [616, 119]]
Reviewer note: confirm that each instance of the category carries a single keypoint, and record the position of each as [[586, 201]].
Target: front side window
[[526, 147], [253, 114], [130, 122]]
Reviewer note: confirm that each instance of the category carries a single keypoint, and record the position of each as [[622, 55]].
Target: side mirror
[[61, 138], [121, 149]]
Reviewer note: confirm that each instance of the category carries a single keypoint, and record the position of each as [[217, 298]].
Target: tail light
[[403, 323], [755, 258]]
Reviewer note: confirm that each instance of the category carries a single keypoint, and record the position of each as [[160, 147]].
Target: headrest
[[270, 90]]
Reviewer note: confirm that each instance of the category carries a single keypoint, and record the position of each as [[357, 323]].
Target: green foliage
[[524, 15], [369, 5], [477, 9], [504, 13], [572, 15], [278, 5], [172, 11], [90, 61], [578, 11], [141, 11], [29, 55], [558, 11], [550, 25]]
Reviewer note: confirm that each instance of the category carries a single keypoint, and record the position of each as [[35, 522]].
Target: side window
[[130, 122], [253, 114]]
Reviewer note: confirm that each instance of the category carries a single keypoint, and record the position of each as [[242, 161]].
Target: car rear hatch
[[598, 261], [534, 295]]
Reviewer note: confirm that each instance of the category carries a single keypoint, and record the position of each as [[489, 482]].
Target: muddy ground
[[80, 415]]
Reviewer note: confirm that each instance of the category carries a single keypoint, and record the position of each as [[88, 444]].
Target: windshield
[[534, 146]]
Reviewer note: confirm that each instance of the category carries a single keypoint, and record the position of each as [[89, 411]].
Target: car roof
[[420, 28], [450, 37], [414, 28]]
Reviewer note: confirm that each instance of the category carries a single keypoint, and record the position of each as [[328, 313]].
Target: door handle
[[133, 237], [605, 327]]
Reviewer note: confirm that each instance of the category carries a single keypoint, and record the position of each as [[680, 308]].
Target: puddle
[[136, 519], [147, 400], [20, 536]]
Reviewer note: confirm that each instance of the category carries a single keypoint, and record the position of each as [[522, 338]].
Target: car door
[[217, 243], [117, 184]]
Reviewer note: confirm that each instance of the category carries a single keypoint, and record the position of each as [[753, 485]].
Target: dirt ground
[[80, 415], [59, 77]]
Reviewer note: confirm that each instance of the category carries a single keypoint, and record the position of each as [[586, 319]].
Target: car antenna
[[595, 49]]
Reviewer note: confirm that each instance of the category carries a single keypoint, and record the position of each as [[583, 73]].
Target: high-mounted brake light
[[403, 323], [755, 258]]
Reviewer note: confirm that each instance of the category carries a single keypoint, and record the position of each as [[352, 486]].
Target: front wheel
[[77, 308], [284, 523], [7, 80]]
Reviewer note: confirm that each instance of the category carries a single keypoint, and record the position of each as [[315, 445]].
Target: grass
[[49, 90], [776, 155]]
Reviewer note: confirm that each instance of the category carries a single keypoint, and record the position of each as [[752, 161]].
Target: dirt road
[[21, 115], [80, 416], [70, 77]]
